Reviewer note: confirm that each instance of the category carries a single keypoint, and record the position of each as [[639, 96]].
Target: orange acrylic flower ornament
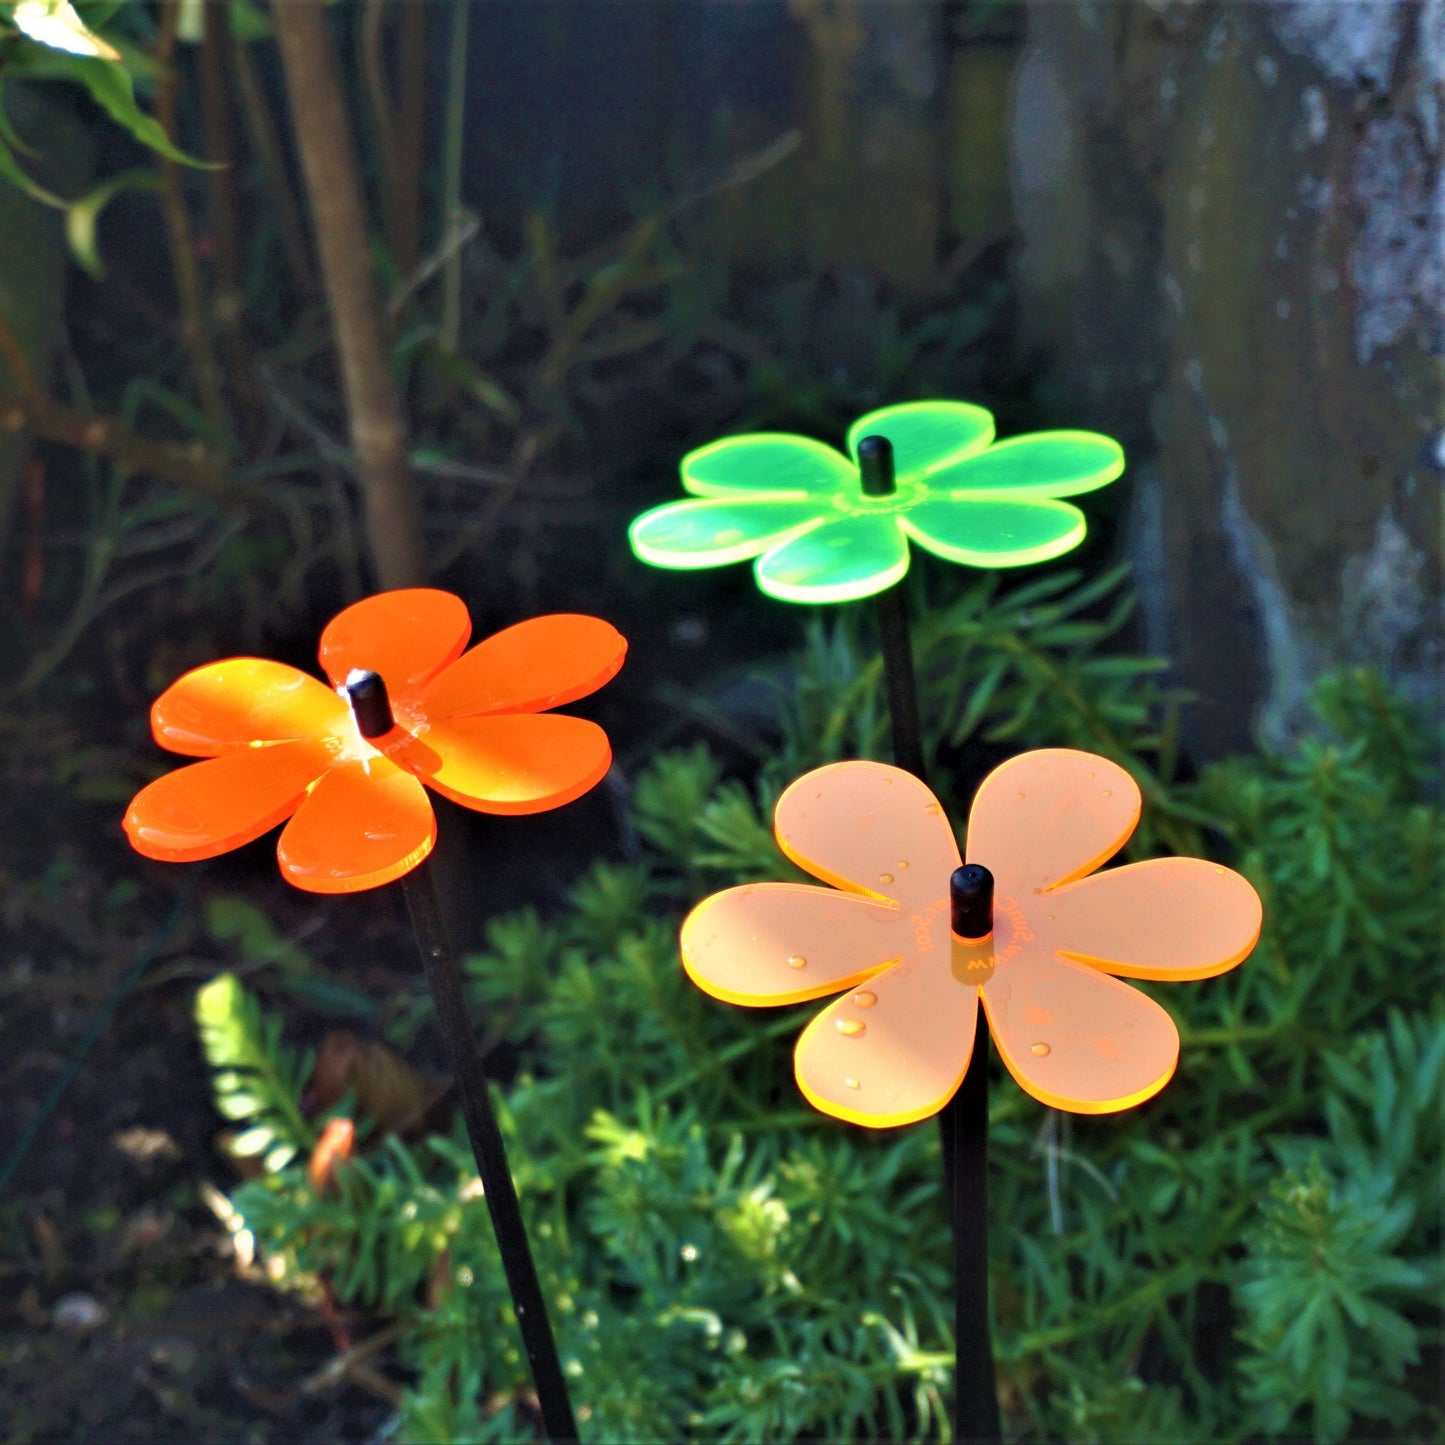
[[894, 1047], [280, 744]]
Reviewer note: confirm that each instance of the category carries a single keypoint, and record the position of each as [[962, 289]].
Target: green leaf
[[249, 22], [81, 216], [489, 393], [54, 23], [111, 87], [11, 171], [255, 1140]]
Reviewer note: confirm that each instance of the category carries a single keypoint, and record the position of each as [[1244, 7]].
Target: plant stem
[[444, 979], [256, 109], [963, 1121], [229, 300], [455, 141], [195, 325], [333, 185], [194, 466]]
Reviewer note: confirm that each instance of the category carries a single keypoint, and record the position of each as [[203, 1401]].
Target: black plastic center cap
[[370, 705], [970, 901]]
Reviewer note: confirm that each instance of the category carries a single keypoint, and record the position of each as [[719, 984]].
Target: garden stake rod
[[963, 1121], [372, 710]]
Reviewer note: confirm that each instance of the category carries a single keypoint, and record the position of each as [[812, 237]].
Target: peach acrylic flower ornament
[[346, 764], [895, 1046]]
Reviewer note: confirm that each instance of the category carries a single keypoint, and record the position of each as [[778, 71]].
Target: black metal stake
[[963, 1121], [373, 715]]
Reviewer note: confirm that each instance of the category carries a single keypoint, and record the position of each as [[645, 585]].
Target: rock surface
[[1232, 247]]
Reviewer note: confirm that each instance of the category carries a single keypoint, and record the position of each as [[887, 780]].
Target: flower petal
[[242, 700], [364, 824], [1050, 816], [712, 534], [536, 665], [1043, 464], [783, 943], [206, 809], [893, 1051], [852, 557], [509, 762], [406, 636], [995, 533], [871, 828], [1169, 918], [1075, 1038], [926, 435], [766, 463]]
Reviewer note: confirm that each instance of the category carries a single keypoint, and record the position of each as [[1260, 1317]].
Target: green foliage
[[257, 1081], [1249, 1252], [53, 40], [1346, 1250]]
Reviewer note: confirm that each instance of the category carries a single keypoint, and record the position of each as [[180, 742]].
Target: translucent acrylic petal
[[785, 943], [365, 823], [406, 636], [892, 1051], [995, 533], [925, 434], [538, 664], [713, 533], [763, 463], [242, 700], [1048, 817], [209, 808], [509, 762], [1043, 464], [869, 827], [837, 562], [1075, 1038], [1168, 918]]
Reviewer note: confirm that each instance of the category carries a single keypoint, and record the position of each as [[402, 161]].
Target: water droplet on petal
[[864, 999], [1219, 870], [934, 808], [1040, 1049], [850, 1083], [1021, 796], [797, 961], [902, 863], [1108, 792], [851, 1028], [885, 878]]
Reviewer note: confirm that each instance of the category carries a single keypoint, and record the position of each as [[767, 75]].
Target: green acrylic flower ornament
[[825, 527]]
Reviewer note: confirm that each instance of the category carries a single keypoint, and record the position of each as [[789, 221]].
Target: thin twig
[[452, 170], [257, 111], [403, 227], [12, 353], [195, 331], [465, 226], [229, 303], [192, 466]]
